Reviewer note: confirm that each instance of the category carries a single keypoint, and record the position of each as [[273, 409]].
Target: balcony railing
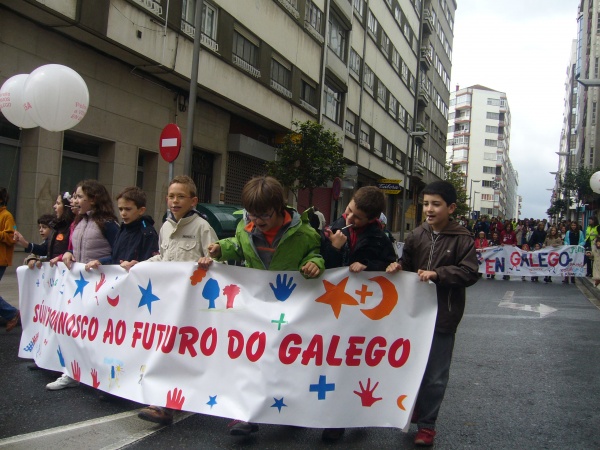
[[205, 40], [308, 106], [246, 66], [281, 89], [291, 6], [151, 5]]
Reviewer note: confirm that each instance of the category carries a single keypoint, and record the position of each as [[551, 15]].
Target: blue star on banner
[[278, 403], [147, 296], [81, 284], [213, 401]]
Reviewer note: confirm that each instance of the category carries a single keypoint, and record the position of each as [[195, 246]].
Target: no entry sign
[[170, 142]]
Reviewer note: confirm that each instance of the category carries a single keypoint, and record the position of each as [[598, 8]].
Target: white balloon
[[56, 97], [11, 102], [595, 182]]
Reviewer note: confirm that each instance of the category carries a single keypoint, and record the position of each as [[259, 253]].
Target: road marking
[[542, 310], [128, 430]]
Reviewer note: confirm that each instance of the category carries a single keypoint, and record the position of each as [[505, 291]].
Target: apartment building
[[479, 143], [359, 67]]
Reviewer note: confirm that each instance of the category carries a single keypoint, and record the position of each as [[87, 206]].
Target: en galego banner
[[566, 260], [343, 350]]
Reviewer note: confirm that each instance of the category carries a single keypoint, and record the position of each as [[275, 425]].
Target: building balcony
[[462, 119], [426, 57], [423, 97], [291, 6], [246, 66], [428, 25], [151, 5]]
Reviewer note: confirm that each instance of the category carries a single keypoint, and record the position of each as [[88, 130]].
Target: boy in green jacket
[[273, 236]]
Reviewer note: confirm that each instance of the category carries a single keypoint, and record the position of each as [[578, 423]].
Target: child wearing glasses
[[273, 236], [184, 236]]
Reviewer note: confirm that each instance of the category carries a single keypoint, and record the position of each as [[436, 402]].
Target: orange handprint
[[231, 292], [76, 371], [95, 381], [175, 399]]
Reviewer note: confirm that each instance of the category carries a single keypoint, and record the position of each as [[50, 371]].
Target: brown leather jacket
[[451, 254]]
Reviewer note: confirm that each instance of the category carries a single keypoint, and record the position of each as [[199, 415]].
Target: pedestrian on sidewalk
[[7, 246], [575, 236]]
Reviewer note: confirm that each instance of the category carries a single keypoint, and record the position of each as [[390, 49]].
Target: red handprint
[[366, 395], [175, 399], [76, 371], [231, 292], [197, 276], [101, 282], [95, 381]]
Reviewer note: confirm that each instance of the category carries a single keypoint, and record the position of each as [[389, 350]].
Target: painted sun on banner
[[344, 350]]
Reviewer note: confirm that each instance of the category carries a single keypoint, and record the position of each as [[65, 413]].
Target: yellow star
[[336, 296]]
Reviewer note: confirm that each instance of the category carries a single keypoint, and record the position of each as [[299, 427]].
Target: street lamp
[[474, 204], [470, 192], [589, 82]]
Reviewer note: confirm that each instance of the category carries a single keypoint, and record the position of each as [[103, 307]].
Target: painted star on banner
[[213, 401], [81, 284], [147, 296], [336, 296], [278, 403]]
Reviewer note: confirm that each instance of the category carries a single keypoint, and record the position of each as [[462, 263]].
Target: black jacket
[[373, 248], [135, 241]]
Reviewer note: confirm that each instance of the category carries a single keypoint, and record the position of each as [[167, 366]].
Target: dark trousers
[[7, 311], [435, 379]]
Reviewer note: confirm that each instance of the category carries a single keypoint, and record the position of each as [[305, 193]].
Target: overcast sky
[[522, 48]]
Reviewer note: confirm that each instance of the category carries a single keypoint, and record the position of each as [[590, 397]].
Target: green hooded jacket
[[299, 244]]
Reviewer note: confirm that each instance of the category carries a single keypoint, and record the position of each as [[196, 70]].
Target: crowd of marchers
[[531, 235]]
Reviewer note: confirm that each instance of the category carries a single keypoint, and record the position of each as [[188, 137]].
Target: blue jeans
[[435, 380], [7, 311]]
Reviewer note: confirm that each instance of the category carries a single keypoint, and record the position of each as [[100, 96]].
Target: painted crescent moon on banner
[[399, 402], [389, 299], [112, 301]]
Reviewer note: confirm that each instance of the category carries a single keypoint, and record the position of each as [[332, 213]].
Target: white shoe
[[64, 381]]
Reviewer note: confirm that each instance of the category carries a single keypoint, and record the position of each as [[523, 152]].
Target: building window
[[333, 101], [209, 22], [350, 126], [493, 116], [381, 93], [314, 16], [372, 23], [355, 62], [404, 72], [337, 37], [594, 113], [388, 152], [364, 135], [377, 144], [491, 143], [359, 6], [487, 169], [308, 96], [80, 161], [385, 44], [491, 129], [493, 101], [369, 78], [281, 75], [402, 115], [396, 59], [393, 107], [245, 52]]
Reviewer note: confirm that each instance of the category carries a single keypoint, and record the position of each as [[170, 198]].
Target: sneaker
[[64, 381], [13, 322], [241, 428], [156, 414], [332, 434], [425, 437]]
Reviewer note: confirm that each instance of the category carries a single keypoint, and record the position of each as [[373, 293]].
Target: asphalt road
[[523, 377]]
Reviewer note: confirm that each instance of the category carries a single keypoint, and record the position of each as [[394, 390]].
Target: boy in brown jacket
[[442, 251]]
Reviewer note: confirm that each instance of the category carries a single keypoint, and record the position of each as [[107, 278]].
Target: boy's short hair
[[260, 194], [46, 219], [370, 200], [184, 179], [444, 189], [134, 194]]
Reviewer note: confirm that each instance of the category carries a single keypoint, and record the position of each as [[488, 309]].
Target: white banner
[[344, 350], [566, 260]]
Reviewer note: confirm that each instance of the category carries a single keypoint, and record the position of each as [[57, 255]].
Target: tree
[[577, 181], [309, 157], [456, 177]]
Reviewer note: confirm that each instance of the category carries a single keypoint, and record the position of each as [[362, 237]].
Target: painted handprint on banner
[[284, 288], [76, 370], [95, 381], [366, 395], [175, 399]]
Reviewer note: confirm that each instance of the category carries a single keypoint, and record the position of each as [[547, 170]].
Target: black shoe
[[565, 281], [506, 277], [241, 428], [332, 434], [549, 279], [573, 280]]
